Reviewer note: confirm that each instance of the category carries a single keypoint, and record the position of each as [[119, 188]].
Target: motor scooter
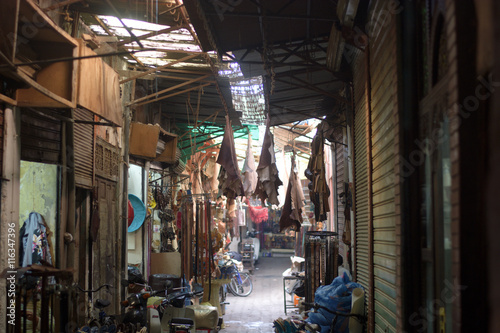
[[136, 315], [254, 241], [172, 315], [136, 312]]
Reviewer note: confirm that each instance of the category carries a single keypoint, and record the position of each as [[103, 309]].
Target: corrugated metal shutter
[[340, 181], [41, 136], [383, 105], [84, 148], [361, 177]]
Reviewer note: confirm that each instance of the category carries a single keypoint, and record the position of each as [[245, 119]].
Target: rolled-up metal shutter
[[84, 148]]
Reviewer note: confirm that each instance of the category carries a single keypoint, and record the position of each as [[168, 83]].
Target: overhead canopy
[[282, 48], [166, 59], [286, 41]]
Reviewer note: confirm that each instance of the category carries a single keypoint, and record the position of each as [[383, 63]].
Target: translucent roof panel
[[247, 94], [157, 46]]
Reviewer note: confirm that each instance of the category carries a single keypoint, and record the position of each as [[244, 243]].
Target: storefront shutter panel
[[383, 116], [84, 148]]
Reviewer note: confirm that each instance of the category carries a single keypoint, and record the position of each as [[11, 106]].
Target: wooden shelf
[[32, 37]]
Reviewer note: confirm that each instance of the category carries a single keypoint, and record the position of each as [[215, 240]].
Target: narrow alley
[[154, 150]]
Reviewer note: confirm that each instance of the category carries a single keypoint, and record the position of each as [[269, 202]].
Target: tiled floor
[[256, 312]]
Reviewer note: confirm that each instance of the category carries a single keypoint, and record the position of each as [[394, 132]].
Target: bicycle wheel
[[243, 288]]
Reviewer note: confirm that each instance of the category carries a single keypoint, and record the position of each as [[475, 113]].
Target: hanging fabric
[[35, 243], [249, 171], [241, 216], [258, 214], [291, 216], [268, 180]]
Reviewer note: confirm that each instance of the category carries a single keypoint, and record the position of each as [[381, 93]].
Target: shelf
[[33, 38]]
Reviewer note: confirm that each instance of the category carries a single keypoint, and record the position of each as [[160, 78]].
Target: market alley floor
[[256, 312]]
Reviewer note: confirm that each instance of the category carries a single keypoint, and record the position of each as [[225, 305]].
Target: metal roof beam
[[287, 17], [166, 90], [285, 6], [174, 94], [311, 87], [306, 115], [60, 4], [151, 34], [158, 68]]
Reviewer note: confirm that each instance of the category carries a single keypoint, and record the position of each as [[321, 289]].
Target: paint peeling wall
[[38, 193]]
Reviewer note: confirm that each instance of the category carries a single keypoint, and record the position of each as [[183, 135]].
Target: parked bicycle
[[240, 283], [103, 323]]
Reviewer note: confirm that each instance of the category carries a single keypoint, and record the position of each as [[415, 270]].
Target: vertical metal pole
[[126, 137], [70, 179]]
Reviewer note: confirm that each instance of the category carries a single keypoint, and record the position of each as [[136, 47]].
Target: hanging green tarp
[[196, 138]]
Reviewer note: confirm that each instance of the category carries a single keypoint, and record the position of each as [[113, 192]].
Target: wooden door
[[435, 180], [105, 265]]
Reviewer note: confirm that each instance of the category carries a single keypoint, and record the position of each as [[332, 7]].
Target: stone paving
[[256, 312]]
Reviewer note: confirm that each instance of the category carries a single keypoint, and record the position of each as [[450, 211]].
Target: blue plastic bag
[[337, 297]]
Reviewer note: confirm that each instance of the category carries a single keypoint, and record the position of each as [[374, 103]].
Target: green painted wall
[[38, 193]]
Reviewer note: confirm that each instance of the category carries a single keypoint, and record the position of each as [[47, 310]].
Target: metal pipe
[[281, 17], [118, 16], [335, 191]]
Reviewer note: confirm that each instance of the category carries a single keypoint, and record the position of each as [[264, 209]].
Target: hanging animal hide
[[291, 216], [249, 172], [319, 191], [268, 180], [229, 175]]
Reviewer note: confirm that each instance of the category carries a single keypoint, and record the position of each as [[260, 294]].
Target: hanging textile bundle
[[35, 244], [268, 180], [257, 214], [291, 215], [248, 171]]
